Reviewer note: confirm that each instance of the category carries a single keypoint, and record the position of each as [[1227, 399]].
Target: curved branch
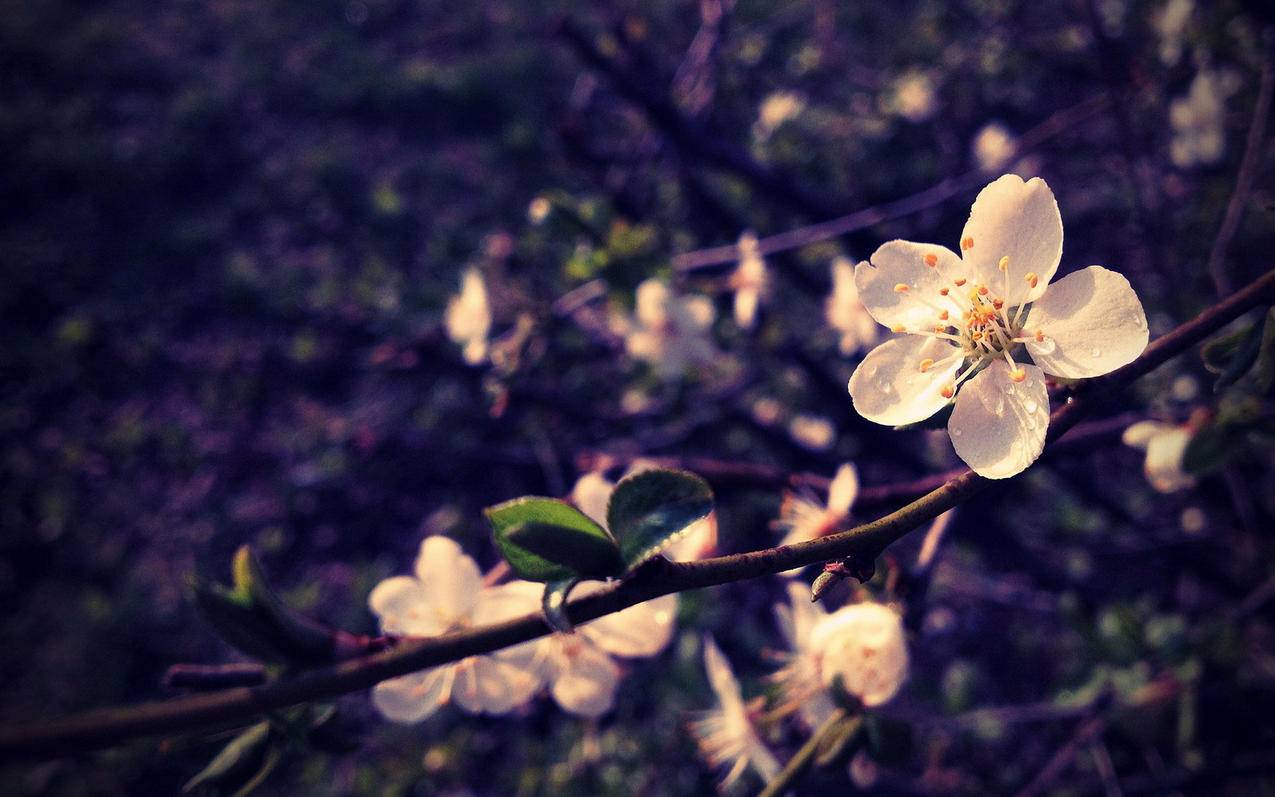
[[103, 728]]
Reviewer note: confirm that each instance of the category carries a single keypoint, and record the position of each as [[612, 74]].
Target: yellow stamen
[[947, 390], [931, 260], [1040, 336], [1018, 375], [943, 291], [1004, 264], [998, 303], [901, 287], [925, 364], [1031, 278], [943, 316], [898, 328], [982, 290], [959, 282], [967, 243]]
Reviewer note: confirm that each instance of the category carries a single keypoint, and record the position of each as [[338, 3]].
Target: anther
[[931, 260], [1040, 336], [898, 328], [925, 364], [1031, 278], [1004, 264], [982, 290], [901, 287], [943, 291], [967, 243], [1018, 375], [998, 303], [943, 316], [947, 391], [959, 282]]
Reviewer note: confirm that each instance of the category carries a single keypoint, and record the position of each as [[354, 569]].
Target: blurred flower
[[845, 313], [670, 332], [805, 518], [468, 317], [994, 147], [750, 281], [725, 735], [801, 688], [445, 595], [812, 431], [775, 110], [1198, 119], [1165, 444], [592, 494], [913, 96], [966, 314], [539, 209], [578, 667], [1170, 22], [863, 647]]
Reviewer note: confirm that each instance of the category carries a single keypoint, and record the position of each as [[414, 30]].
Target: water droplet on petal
[[956, 433], [1096, 352], [1031, 406]]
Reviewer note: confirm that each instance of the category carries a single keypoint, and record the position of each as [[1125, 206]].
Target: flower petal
[[998, 427], [1164, 460], [903, 263], [641, 630], [843, 490], [586, 685], [1140, 434], [403, 605], [449, 577], [1092, 321], [1019, 220], [798, 616], [412, 698], [889, 387], [591, 494], [489, 685], [722, 679]]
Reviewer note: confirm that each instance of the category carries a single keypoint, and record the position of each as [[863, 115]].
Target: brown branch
[[108, 727]]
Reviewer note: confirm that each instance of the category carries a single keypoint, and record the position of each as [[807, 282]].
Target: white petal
[[641, 630], [488, 685], [696, 313], [722, 679], [699, 542], [902, 263], [591, 494], [586, 684], [411, 698], [746, 301], [507, 601], [403, 605], [843, 490], [997, 426], [450, 578], [798, 616], [1139, 435], [1092, 321], [1164, 460], [1019, 220], [889, 387], [652, 306]]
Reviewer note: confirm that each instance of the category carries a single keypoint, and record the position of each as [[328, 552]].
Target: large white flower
[[750, 281], [592, 493], [804, 518], [668, 331], [725, 734], [468, 318], [446, 594], [968, 316], [578, 666], [846, 314], [862, 646], [1165, 444], [801, 688]]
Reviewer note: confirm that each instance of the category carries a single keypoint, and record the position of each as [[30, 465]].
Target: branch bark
[[102, 728]]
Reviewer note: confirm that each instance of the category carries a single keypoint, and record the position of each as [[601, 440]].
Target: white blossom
[[1165, 444], [994, 147], [725, 734], [1198, 120], [446, 594], [967, 316], [862, 646], [805, 518], [670, 332], [750, 280], [579, 666], [812, 431], [778, 108], [468, 318], [913, 96], [801, 688], [846, 314], [592, 494], [1170, 22]]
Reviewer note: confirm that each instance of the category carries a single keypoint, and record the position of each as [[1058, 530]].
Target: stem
[[802, 759], [94, 730]]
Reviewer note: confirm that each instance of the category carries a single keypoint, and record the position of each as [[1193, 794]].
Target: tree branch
[[94, 730]]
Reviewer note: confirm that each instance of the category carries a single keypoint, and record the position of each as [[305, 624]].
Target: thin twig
[[802, 759], [94, 730]]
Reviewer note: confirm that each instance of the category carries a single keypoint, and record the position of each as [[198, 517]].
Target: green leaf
[[651, 510], [241, 765], [1242, 360], [1219, 353], [545, 539], [554, 604]]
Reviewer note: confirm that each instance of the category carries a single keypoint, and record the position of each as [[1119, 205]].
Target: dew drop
[[1096, 353], [1031, 406], [956, 433]]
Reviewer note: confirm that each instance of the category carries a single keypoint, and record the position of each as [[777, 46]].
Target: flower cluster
[[447, 593], [668, 331], [963, 318]]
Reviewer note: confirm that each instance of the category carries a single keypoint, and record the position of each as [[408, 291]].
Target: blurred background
[[229, 232]]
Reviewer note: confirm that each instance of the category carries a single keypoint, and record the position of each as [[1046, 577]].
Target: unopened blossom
[[750, 281], [801, 688], [1165, 444], [668, 331], [862, 647], [579, 667], [725, 734], [1199, 120], [846, 314], [444, 595], [805, 518], [969, 318], [994, 147], [468, 318], [592, 494]]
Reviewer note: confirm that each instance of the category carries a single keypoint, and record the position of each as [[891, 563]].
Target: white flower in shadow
[[468, 318], [846, 314], [1165, 444], [725, 734]]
